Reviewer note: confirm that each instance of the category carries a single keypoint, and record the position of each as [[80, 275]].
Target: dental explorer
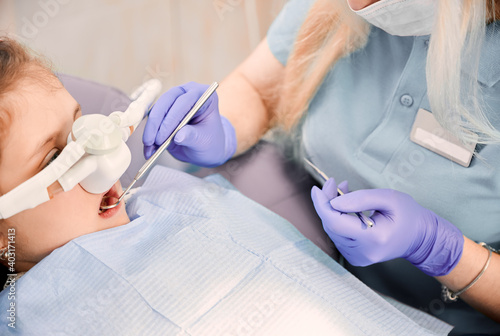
[[144, 169], [362, 217]]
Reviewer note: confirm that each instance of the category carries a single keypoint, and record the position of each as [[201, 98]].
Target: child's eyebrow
[[54, 135]]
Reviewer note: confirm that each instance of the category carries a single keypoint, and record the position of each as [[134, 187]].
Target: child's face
[[41, 112]]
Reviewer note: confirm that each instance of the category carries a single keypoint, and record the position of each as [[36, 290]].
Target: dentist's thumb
[[187, 136]]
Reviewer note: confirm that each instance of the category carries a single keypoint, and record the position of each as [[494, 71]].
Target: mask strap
[[35, 191]]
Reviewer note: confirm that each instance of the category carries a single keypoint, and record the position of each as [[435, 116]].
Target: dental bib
[[401, 17], [199, 258]]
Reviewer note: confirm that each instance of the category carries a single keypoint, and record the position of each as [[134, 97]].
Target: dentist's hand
[[402, 229], [208, 140]]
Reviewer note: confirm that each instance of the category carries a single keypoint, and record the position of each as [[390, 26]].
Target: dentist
[[401, 99]]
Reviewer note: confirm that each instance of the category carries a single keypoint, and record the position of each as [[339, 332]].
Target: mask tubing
[[143, 98]]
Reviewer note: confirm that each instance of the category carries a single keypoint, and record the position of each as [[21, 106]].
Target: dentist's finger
[[321, 202], [330, 188], [150, 150], [177, 112], [335, 222], [189, 136], [157, 114], [365, 200], [344, 186]]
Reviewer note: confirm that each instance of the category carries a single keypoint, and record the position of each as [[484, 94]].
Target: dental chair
[[263, 174]]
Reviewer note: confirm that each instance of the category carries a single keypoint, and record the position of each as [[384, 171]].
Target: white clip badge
[[428, 133]]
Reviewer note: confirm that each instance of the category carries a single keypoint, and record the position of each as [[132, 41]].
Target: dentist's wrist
[[442, 249]]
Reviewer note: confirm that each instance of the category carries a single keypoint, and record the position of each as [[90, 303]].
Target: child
[[36, 116]]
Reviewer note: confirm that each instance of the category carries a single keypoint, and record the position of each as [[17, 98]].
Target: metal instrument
[[362, 217]]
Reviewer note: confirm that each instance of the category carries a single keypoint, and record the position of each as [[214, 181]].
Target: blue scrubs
[[357, 129]]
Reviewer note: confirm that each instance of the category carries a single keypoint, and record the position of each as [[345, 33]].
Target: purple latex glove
[[208, 140], [403, 229]]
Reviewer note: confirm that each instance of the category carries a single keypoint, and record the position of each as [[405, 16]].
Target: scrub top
[[358, 128]]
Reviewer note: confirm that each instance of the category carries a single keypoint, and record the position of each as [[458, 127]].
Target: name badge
[[428, 133]]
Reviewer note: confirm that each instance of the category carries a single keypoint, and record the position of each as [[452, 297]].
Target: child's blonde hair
[[16, 63]]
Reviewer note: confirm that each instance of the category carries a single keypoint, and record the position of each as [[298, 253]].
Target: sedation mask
[[95, 156]]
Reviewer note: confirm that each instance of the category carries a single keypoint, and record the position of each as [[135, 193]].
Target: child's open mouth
[[109, 198]]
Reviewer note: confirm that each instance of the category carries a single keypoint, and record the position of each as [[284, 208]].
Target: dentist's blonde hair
[[331, 31], [452, 69]]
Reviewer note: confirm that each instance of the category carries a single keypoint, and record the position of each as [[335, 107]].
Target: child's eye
[[54, 156]]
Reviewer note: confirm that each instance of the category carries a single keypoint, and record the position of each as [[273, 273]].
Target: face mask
[[401, 17]]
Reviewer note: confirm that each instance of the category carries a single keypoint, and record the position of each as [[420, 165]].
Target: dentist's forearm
[[484, 295], [248, 96], [241, 104]]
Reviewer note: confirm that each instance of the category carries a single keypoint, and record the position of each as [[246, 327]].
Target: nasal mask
[[401, 17], [95, 156]]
